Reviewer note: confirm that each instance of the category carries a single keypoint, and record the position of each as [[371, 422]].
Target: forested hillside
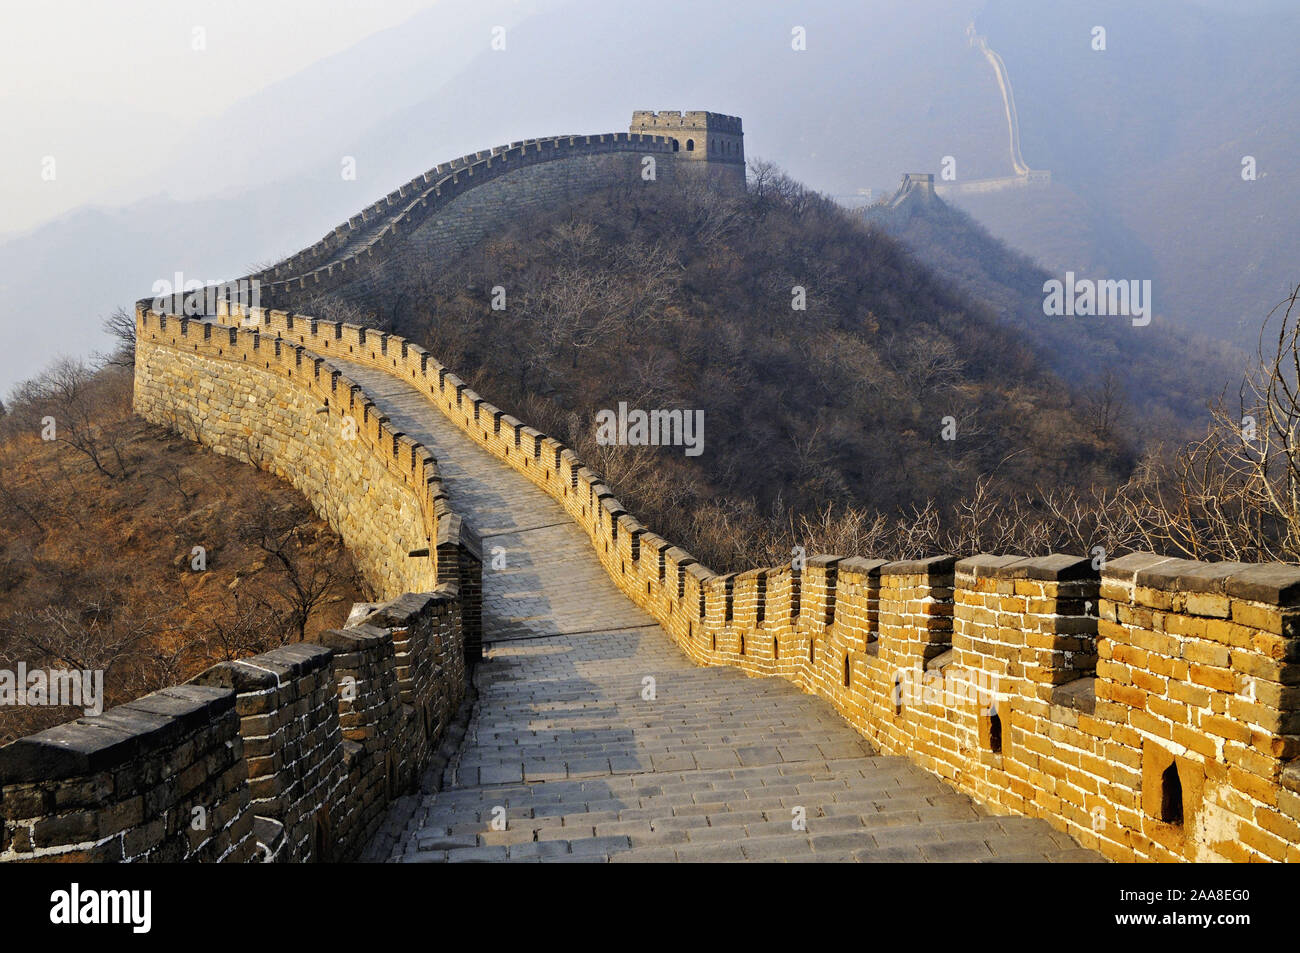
[[890, 390], [134, 552]]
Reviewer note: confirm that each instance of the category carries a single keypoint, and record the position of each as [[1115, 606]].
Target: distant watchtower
[[708, 137], [917, 187]]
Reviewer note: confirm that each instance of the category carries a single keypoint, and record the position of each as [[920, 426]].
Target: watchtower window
[[690, 145], [676, 146]]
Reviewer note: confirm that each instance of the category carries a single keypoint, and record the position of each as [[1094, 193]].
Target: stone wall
[[460, 221], [456, 204], [407, 206], [295, 754], [292, 745], [300, 419], [461, 203], [1149, 707], [292, 755], [162, 778], [493, 204]]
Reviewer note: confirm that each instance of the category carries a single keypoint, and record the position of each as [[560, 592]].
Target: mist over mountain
[[1144, 140], [398, 106], [1163, 375]]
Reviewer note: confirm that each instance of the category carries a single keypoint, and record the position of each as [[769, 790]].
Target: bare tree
[[86, 632], [1235, 492], [1105, 405], [121, 325], [595, 292], [16, 493], [172, 477], [769, 186], [78, 401], [306, 582]]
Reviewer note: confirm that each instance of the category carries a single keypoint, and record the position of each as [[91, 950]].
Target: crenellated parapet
[[1145, 706], [290, 756], [295, 754], [453, 204], [270, 402], [371, 233], [1150, 707]]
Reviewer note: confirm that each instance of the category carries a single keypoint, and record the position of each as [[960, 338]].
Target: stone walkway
[[579, 761]]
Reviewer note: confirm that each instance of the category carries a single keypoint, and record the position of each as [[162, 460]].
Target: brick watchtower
[[705, 136]]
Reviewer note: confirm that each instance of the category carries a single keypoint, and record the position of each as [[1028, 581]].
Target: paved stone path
[[564, 748]]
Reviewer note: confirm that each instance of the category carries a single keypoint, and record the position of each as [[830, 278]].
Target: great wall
[[1140, 709], [456, 204], [1022, 176]]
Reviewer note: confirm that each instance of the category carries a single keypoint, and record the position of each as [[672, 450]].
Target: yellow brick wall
[[1103, 680]]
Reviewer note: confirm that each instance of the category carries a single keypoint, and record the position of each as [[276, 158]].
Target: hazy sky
[[90, 83], [108, 90]]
